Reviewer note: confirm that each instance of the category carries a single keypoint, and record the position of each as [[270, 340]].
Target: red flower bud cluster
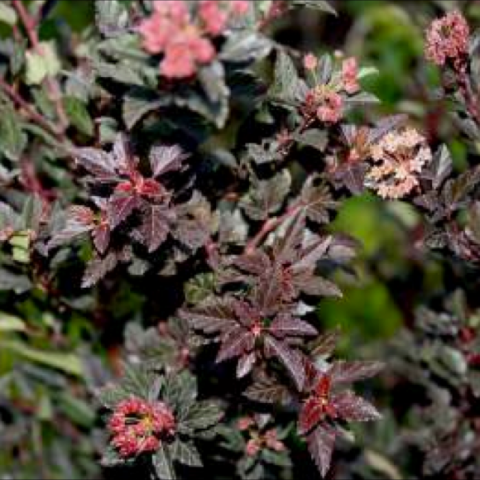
[[138, 426]]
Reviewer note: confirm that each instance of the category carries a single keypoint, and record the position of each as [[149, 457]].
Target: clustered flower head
[[399, 157], [447, 38], [185, 42], [325, 100], [258, 440], [138, 426]]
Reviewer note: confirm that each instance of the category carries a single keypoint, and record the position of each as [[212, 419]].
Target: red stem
[[269, 225]]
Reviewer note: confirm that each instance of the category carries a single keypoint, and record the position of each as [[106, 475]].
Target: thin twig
[[52, 84], [28, 109]]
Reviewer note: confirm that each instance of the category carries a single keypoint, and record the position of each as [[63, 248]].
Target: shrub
[[179, 168]]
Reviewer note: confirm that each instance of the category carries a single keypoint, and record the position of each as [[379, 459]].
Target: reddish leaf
[[343, 372], [323, 386], [235, 343], [151, 188], [320, 445], [165, 159], [285, 325], [351, 407], [310, 416], [291, 359], [120, 208], [155, 225]]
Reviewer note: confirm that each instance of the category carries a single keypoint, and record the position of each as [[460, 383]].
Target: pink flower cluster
[[399, 157], [326, 101], [138, 426], [447, 38], [186, 43]]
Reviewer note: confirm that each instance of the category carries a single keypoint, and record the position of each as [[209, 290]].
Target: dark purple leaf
[[386, 125], [214, 316], [269, 292], [325, 344], [320, 445], [156, 220], [165, 159], [235, 342], [256, 262], [120, 208], [246, 313], [195, 222], [79, 221], [122, 155], [266, 390], [101, 237], [343, 372], [440, 167], [285, 325], [286, 246], [310, 254], [97, 268], [351, 407], [245, 364], [98, 163], [317, 286], [266, 196], [291, 359], [317, 200]]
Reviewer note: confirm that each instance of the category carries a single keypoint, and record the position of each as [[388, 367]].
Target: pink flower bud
[[310, 61]]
